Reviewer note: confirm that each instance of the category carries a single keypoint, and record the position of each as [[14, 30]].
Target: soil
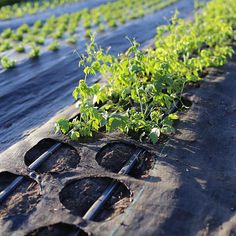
[[23, 201], [113, 157], [64, 159], [78, 196], [60, 229]]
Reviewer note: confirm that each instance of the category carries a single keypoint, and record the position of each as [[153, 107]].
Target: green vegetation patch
[[142, 85], [66, 27]]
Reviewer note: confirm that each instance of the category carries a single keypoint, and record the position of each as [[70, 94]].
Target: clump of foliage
[[4, 46], [71, 40], [92, 20], [54, 46], [40, 40], [143, 85], [6, 34], [7, 63], [30, 7], [20, 48], [35, 51]]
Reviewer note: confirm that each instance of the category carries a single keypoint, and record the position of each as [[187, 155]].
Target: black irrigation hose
[[96, 207], [18, 180]]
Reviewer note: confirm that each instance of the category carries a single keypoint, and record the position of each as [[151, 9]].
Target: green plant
[[71, 40], [143, 85], [7, 63], [40, 40], [6, 34], [17, 36], [5, 45], [101, 28], [35, 51], [54, 46], [19, 48]]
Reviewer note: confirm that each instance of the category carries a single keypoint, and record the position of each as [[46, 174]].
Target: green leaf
[[64, 125], [76, 93], [154, 135], [74, 135], [173, 116], [116, 122]]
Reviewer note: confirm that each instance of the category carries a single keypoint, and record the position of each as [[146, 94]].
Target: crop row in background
[[31, 7], [69, 28]]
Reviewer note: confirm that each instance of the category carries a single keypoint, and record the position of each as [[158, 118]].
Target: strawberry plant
[[35, 51], [65, 27], [71, 40], [23, 8], [142, 85], [19, 48], [54, 46], [7, 63]]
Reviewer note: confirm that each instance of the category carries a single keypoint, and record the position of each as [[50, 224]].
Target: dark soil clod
[[78, 196]]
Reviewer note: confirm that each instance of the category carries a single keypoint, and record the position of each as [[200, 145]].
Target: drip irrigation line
[[97, 206], [94, 210], [18, 180]]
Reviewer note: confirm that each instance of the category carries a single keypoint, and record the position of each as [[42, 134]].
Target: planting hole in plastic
[[113, 157], [79, 195], [23, 199], [64, 159], [60, 229]]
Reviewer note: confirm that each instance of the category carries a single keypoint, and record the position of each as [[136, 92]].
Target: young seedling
[[54, 46], [34, 53], [7, 63], [72, 40], [5, 45], [6, 34], [20, 48]]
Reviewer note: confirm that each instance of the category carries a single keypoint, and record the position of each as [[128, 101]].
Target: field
[[117, 117]]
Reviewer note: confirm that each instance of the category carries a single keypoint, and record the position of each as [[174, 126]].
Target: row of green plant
[[70, 27], [142, 85], [30, 7]]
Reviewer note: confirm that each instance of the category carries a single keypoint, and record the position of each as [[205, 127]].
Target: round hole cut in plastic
[[22, 201], [5, 179], [63, 159], [114, 156], [186, 102], [60, 229], [79, 195]]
